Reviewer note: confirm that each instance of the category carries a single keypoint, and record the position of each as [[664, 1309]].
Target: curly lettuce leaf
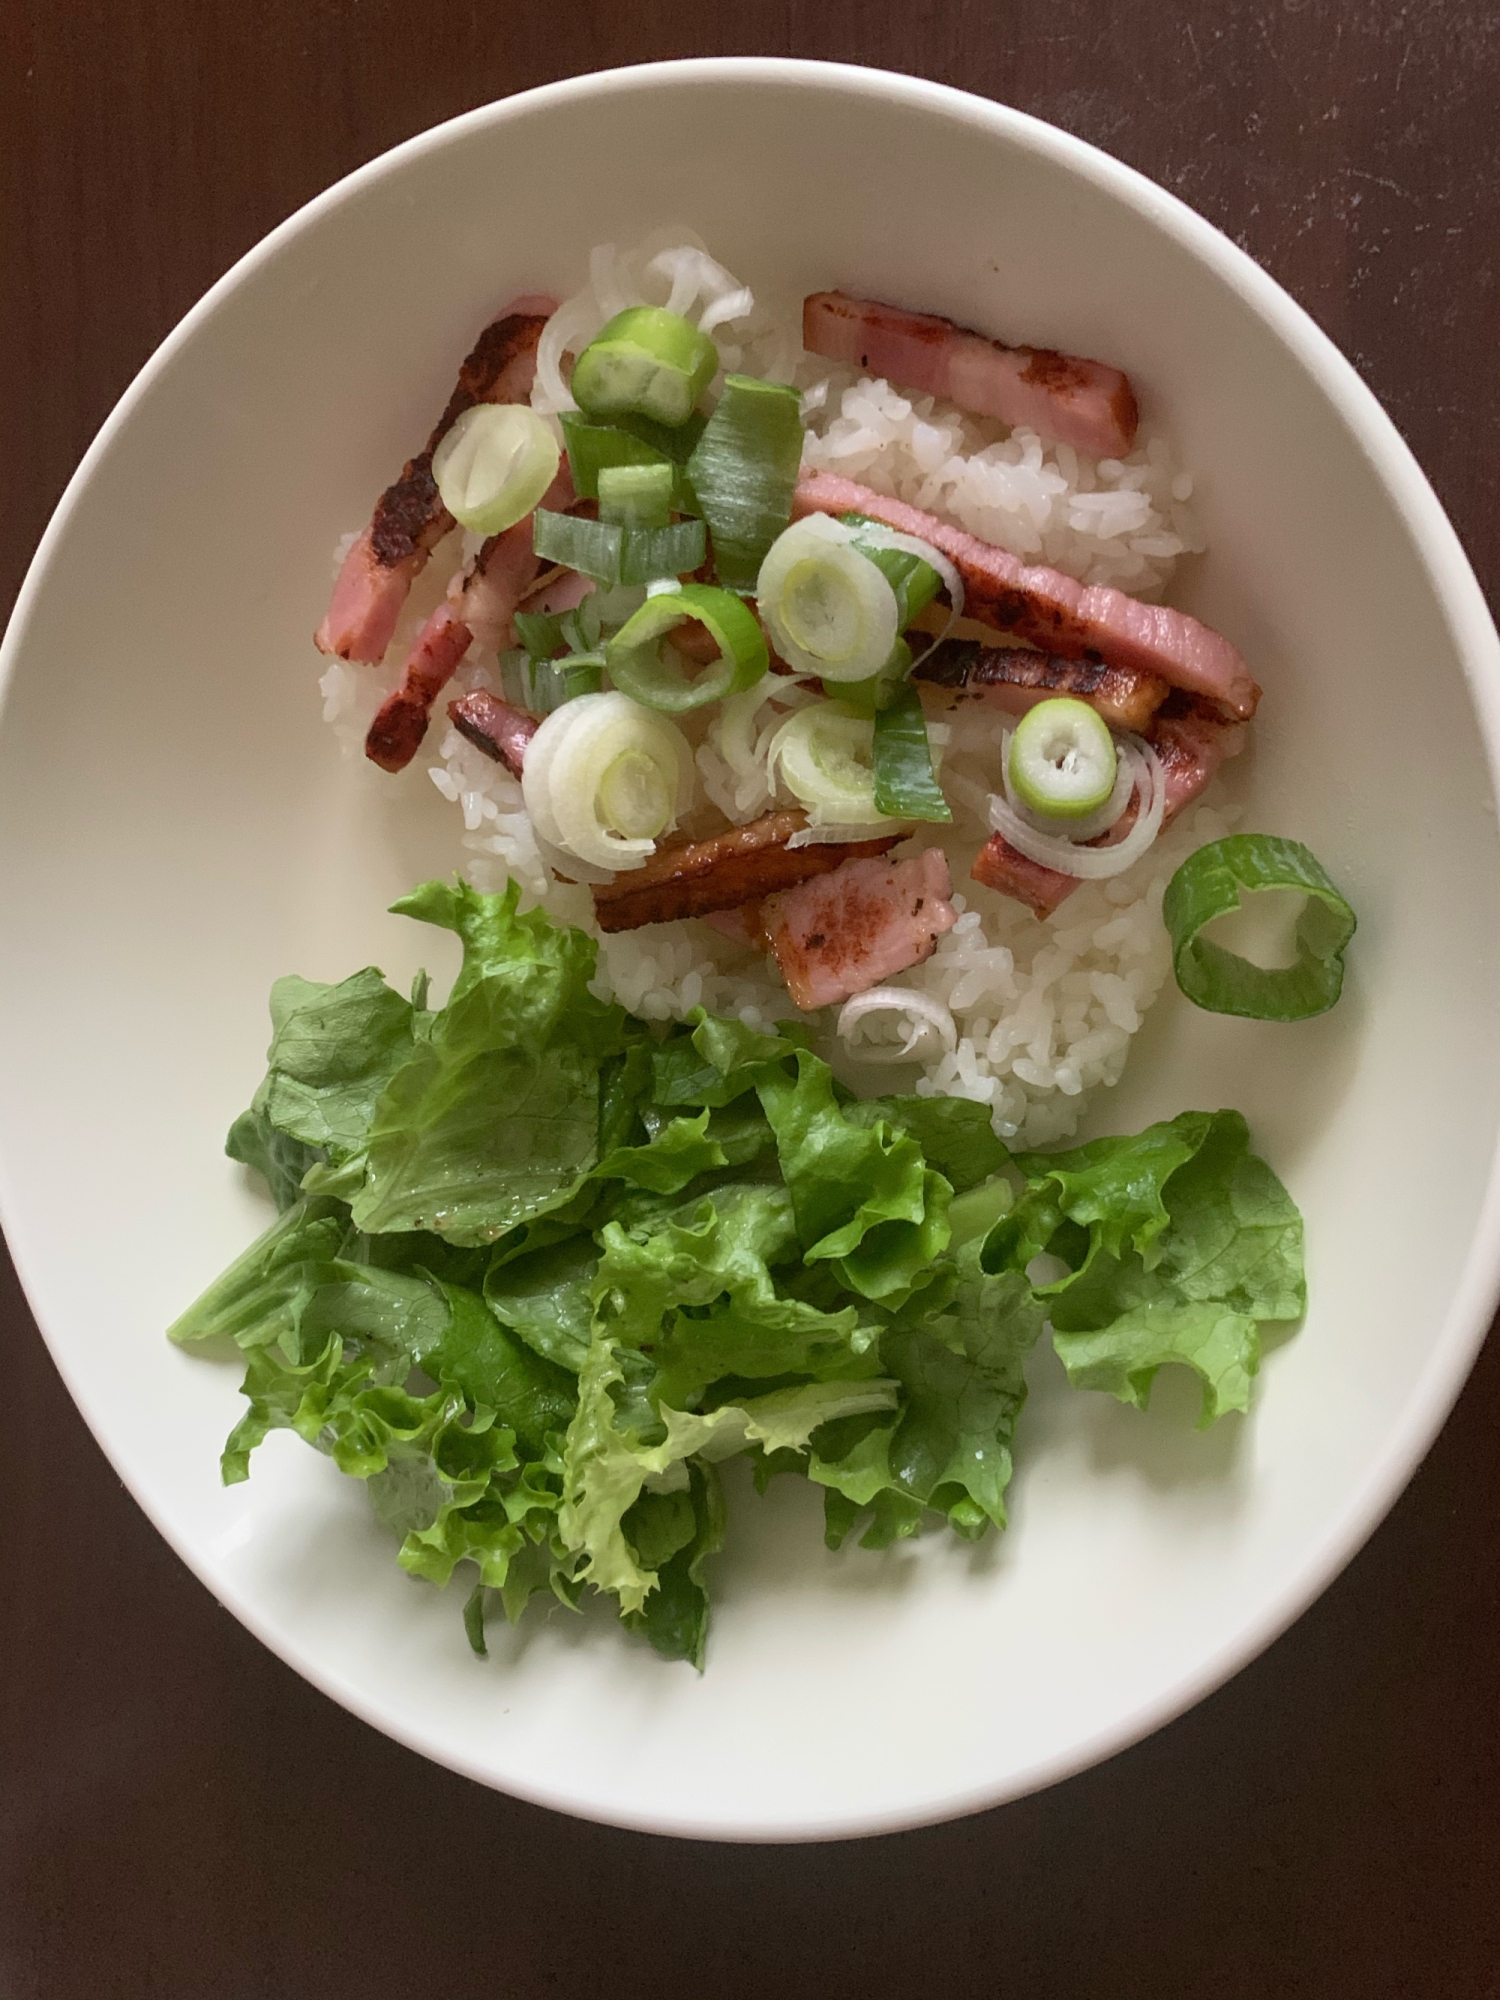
[[716, 1061], [948, 1447], [1180, 1250], [955, 1135], [546, 1296], [263, 1293], [675, 1534], [1116, 1187], [495, 1119], [541, 1268], [862, 1193], [697, 1289], [678, 1153], [606, 1466]]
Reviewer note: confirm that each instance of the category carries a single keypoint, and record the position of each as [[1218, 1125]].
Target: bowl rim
[[1451, 1354]]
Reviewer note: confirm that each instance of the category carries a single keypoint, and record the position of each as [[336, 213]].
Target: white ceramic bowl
[[178, 829]]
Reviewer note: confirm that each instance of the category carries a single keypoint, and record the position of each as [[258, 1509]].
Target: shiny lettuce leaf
[[541, 1268], [675, 1534], [696, 1287], [716, 1062], [606, 1465], [495, 1119], [546, 1296], [955, 1135], [948, 1445], [1181, 1242]]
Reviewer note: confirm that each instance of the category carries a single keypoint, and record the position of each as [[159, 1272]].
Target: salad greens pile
[[540, 1267]]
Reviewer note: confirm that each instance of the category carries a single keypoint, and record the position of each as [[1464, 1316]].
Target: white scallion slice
[[1073, 857], [493, 465], [1061, 762], [824, 755], [834, 833], [875, 535], [828, 609], [923, 1013], [604, 777], [634, 796]]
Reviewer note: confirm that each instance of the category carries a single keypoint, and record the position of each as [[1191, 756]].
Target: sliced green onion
[[829, 610], [1062, 759], [647, 554], [612, 554], [594, 447], [676, 442], [493, 465], [634, 796], [544, 634], [825, 757], [744, 472], [880, 690], [643, 665], [645, 360], [1209, 884], [905, 785], [591, 547], [636, 496], [914, 581], [540, 686], [586, 772]]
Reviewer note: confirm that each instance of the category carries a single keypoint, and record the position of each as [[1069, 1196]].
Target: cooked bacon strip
[[409, 519], [480, 604], [1083, 403], [495, 727], [1015, 678], [721, 873], [1053, 612], [558, 590], [1191, 744], [843, 933]]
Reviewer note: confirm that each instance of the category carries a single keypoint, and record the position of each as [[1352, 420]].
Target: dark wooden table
[[182, 1815]]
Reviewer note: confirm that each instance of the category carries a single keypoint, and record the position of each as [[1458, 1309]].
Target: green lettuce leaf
[[541, 1268], [495, 1371], [696, 1288], [495, 1119], [546, 1296], [861, 1190], [955, 1135], [716, 1061], [675, 1534], [605, 1466], [1179, 1252], [333, 1050], [948, 1448], [1116, 1187], [677, 1154], [265, 1290], [280, 1161]]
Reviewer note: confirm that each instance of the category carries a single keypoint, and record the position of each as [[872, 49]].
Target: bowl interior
[[179, 829]]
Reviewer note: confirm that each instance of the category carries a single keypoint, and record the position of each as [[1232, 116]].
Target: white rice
[[1035, 1016], [1121, 521]]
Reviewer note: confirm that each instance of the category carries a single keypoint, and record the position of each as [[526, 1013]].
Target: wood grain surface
[[182, 1816]]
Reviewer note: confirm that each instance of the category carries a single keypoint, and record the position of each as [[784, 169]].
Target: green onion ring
[[1210, 883], [638, 667]]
